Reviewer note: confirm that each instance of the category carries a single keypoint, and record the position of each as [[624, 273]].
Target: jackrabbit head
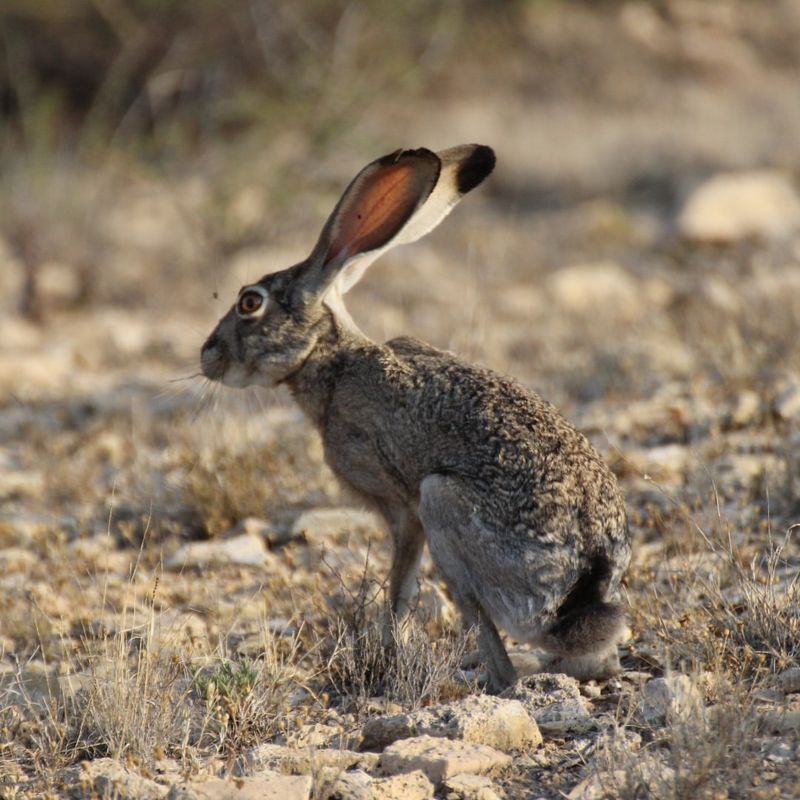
[[274, 324]]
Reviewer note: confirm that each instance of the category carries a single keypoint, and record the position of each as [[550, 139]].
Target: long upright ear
[[392, 201]]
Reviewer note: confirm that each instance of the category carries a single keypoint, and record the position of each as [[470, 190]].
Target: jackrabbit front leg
[[408, 540]]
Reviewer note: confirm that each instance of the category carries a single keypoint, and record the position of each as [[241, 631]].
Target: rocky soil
[[188, 600]]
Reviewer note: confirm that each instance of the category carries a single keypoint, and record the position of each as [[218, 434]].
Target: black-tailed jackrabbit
[[522, 517]]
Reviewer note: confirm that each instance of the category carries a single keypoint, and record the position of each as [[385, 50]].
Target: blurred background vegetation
[[158, 88], [147, 144]]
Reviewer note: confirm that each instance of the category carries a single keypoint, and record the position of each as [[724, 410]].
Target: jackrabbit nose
[[213, 357]]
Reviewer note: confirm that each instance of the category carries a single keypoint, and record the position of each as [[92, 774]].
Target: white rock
[[358, 785], [259, 527], [355, 785], [472, 787], [439, 759], [408, 786], [662, 463], [593, 288], [320, 525], [673, 697], [555, 702], [746, 409], [733, 206], [493, 721], [107, 777], [318, 735], [303, 761], [566, 717], [787, 401], [265, 786], [246, 550]]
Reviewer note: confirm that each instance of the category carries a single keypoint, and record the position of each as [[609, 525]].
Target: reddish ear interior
[[377, 205]]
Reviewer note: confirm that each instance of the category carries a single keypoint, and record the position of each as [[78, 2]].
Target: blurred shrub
[[119, 67]]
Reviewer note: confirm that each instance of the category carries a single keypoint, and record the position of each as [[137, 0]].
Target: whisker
[[199, 406], [260, 401], [186, 377]]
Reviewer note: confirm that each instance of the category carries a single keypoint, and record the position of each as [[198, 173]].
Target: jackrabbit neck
[[313, 383]]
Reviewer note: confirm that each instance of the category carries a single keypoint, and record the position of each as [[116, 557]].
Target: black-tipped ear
[[394, 200], [475, 168]]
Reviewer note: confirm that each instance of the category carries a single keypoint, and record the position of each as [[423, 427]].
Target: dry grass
[[248, 701], [698, 751], [137, 695], [408, 667]]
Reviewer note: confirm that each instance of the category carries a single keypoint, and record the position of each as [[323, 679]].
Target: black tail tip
[[475, 168]]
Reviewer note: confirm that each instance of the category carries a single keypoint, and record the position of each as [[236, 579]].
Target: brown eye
[[249, 302]]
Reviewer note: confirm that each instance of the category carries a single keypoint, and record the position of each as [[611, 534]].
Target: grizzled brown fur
[[522, 517]]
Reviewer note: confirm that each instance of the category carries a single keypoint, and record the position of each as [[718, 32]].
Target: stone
[[747, 409], [259, 527], [666, 462], [408, 786], [283, 759], [787, 401], [731, 207], [672, 697], [596, 287], [356, 785], [321, 525], [789, 680], [471, 787], [783, 721], [599, 786], [265, 786], [497, 722], [555, 702], [107, 777], [359, 785], [18, 483], [321, 736], [780, 752], [245, 550], [439, 758]]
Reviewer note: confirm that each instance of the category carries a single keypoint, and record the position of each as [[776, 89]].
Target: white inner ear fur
[[438, 205], [335, 302]]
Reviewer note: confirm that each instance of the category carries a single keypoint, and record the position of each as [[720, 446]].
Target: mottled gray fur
[[522, 517]]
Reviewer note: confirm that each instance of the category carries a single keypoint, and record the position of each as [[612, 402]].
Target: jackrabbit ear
[[392, 201]]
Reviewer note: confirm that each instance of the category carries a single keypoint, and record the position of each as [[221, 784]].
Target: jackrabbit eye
[[250, 302]]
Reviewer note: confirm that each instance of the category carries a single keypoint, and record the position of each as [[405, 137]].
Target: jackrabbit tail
[[522, 517]]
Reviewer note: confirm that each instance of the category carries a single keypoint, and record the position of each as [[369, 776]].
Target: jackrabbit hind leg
[[448, 521]]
